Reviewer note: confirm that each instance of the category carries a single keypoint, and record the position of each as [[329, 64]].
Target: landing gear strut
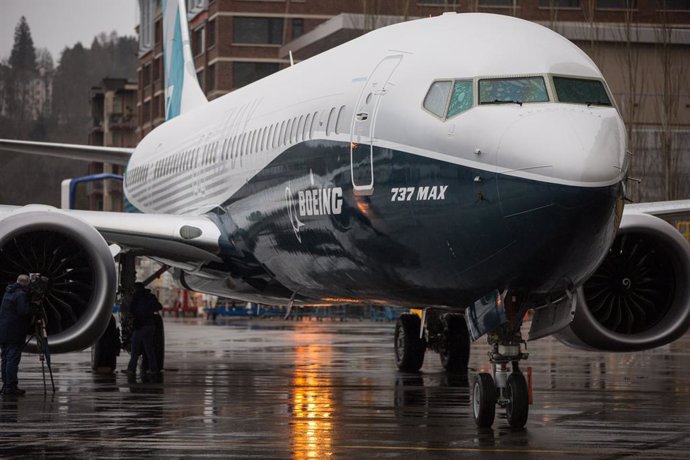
[[507, 387]]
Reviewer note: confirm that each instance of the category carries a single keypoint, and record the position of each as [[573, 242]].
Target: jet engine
[[639, 297], [78, 277]]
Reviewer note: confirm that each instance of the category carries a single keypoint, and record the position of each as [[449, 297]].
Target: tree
[[22, 71], [23, 57]]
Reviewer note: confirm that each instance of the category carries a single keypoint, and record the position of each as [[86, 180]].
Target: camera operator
[[15, 324]]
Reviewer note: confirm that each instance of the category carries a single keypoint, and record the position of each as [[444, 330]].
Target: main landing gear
[[443, 332], [105, 351], [507, 387]]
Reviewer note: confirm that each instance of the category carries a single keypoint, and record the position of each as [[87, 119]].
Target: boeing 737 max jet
[[471, 164]]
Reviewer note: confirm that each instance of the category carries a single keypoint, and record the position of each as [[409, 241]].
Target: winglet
[[182, 92]]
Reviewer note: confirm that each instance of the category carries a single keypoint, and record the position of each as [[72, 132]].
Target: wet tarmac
[[314, 390]]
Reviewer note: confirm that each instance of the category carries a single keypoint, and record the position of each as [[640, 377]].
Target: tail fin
[[182, 92]]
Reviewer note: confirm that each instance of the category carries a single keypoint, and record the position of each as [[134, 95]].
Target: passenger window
[[300, 128], [293, 132], [461, 98], [307, 123], [313, 122], [286, 135], [330, 122], [437, 97], [340, 120]]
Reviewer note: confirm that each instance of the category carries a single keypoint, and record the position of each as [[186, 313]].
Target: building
[[114, 124], [641, 46]]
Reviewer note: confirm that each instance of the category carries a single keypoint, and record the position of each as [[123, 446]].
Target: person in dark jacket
[[15, 324], [143, 308]]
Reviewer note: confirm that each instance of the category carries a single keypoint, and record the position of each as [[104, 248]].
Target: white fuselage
[[197, 161]]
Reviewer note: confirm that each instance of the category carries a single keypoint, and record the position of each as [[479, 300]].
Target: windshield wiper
[[502, 101]]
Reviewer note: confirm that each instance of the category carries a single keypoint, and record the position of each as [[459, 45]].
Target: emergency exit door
[[362, 135]]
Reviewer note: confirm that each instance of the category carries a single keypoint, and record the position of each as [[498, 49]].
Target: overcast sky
[[56, 24]]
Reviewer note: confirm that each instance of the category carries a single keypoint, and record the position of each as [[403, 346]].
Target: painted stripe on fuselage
[[437, 249], [166, 190]]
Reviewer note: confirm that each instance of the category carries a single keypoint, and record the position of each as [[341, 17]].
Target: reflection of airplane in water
[[466, 159]]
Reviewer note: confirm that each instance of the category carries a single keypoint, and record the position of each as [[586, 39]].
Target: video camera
[[38, 287]]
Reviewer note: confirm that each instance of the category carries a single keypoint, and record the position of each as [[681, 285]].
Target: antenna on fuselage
[[292, 61]]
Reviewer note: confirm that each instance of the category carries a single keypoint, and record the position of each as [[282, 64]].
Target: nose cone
[[565, 144], [559, 180]]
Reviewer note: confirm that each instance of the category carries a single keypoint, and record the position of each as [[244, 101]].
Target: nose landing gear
[[507, 387]]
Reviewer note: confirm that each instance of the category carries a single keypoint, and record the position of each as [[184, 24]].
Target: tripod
[[41, 337]]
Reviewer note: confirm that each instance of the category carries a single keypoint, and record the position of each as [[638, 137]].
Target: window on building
[[147, 74], [244, 73], [211, 33], [194, 6], [559, 3], [498, 2], [617, 4], [158, 32], [156, 69], [211, 77], [297, 27], [147, 111], [674, 5], [253, 30], [438, 2], [512, 90], [146, 13], [437, 97], [198, 41], [460, 98], [200, 78]]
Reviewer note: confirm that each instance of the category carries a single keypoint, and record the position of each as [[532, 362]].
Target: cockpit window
[[512, 90], [437, 97], [461, 98], [581, 91]]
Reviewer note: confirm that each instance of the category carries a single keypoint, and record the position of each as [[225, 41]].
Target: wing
[[114, 155], [184, 241], [664, 209]]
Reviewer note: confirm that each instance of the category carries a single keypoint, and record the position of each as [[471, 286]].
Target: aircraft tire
[[106, 349], [456, 356], [409, 348], [484, 400], [517, 409]]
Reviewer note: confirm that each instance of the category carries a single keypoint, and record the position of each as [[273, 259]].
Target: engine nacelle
[[639, 298], [78, 264]]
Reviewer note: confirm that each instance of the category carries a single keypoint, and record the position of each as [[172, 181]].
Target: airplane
[[474, 164]]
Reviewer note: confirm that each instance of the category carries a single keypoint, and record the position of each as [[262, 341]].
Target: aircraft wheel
[[484, 400], [106, 349], [409, 348], [518, 400], [456, 355]]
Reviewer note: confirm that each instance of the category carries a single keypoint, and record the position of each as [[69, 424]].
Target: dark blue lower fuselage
[[431, 233]]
